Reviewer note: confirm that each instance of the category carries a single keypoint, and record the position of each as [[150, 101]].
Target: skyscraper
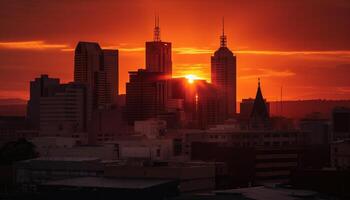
[[223, 77], [146, 95], [110, 66], [87, 64], [147, 91], [158, 53], [87, 61], [98, 70]]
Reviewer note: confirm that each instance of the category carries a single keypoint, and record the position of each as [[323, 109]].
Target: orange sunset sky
[[302, 46]]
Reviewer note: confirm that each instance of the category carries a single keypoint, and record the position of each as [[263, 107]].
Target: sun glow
[[191, 78]]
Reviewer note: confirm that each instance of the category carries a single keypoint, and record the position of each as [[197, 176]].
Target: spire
[[156, 36], [259, 117], [259, 107], [223, 39]]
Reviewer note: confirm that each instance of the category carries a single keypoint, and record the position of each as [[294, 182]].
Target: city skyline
[[175, 99], [298, 54]]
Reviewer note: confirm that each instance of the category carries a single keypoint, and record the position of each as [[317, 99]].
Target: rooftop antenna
[[223, 39], [156, 36]]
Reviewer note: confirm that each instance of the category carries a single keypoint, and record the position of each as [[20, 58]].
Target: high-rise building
[[206, 105], [110, 66], [198, 100], [59, 109], [158, 53], [87, 61], [65, 112], [40, 87], [98, 70], [146, 95], [148, 90], [223, 77]]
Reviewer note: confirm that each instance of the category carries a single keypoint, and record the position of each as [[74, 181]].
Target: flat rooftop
[[63, 159], [102, 182], [268, 193]]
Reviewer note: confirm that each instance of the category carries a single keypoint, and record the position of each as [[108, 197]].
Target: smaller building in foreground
[[100, 188]]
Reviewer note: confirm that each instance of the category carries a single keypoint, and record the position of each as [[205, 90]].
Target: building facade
[[66, 112], [341, 123], [146, 95], [223, 76], [40, 87], [98, 70], [158, 54]]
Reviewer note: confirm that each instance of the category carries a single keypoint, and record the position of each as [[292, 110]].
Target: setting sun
[[191, 78]]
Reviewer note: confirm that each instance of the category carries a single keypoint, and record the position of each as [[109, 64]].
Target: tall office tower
[[87, 61], [40, 87], [206, 105], [158, 53], [146, 95], [223, 77], [87, 65], [98, 70], [65, 112], [110, 66]]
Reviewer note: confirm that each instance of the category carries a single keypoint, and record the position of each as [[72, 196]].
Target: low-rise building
[[68, 147], [142, 147], [151, 128], [102, 188], [252, 156], [192, 176], [317, 130], [31, 173], [340, 154], [13, 128], [340, 123]]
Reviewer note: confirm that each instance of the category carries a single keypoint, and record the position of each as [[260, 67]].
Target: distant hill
[[13, 107], [300, 108], [291, 109]]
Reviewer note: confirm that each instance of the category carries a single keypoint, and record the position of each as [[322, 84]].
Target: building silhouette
[[40, 87], [111, 68], [197, 102], [57, 109], [148, 90], [146, 95], [260, 116], [341, 123], [223, 77], [206, 105], [158, 53], [98, 70], [66, 112]]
